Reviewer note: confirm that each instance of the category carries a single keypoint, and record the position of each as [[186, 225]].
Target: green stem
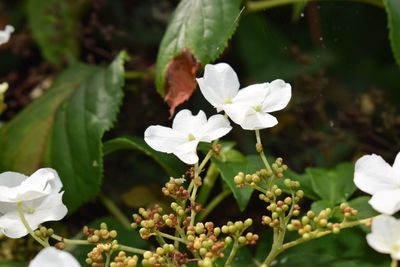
[[135, 75], [171, 237], [115, 211], [254, 6], [160, 240], [70, 241], [194, 191], [205, 160], [85, 242], [214, 203], [131, 249], [260, 150], [28, 227], [233, 253], [108, 259], [208, 184], [394, 262]]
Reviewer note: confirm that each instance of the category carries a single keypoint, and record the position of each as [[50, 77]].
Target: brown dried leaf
[[181, 79]]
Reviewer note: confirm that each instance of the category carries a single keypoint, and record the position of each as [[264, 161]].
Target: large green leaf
[[63, 129], [333, 185], [393, 13], [171, 165], [201, 26], [54, 28]]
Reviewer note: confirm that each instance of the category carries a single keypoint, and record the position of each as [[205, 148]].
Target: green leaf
[[392, 8], [64, 127], [54, 28], [171, 165], [201, 26], [333, 185], [229, 170]]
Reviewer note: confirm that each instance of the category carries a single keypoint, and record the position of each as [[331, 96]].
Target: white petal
[[252, 95], [236, 112], [164, 139], [216, 127], [54, 179], [50, 257], [279, 96], [48, 208], [396, 166], [258, 120], [385, 233], [219, 83], [372, 174], [37, 185], [187, 152], [11, 226], [386, 201], [9, 182], [53, 184], [187, 123], [7, 207]]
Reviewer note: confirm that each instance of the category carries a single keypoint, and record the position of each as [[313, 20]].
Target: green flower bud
[[242, 240]]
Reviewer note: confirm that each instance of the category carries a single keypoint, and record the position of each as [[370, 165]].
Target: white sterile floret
[[37, 198], [5, 34], [50, 257], [376, 177], [186, 133], [385, 235], [248, 107], [219, 85]]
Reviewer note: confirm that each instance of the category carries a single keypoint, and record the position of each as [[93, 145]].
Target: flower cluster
[[248, 107], [26, 202]]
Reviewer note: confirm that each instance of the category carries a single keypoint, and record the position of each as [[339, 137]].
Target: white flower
[[248, 107], [50, 257], [37, 196], [5, 34], [376, 177], [385, 235], [186, 133]]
